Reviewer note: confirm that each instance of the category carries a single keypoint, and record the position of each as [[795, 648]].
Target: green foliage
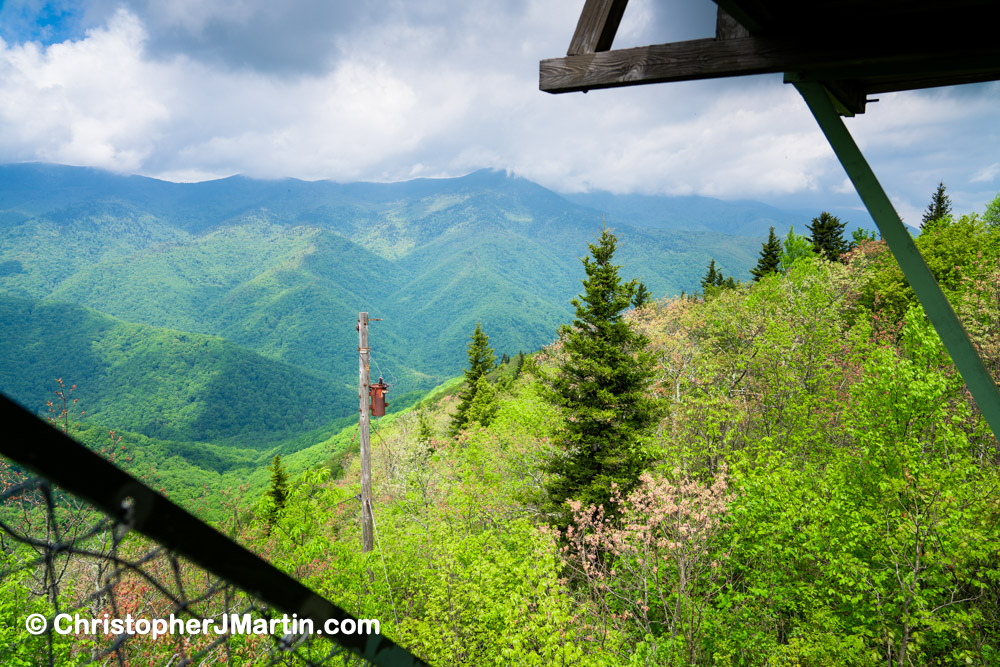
[[860, 235], [518, 364], [795, 248], [641, 296], [714, 282], [481, 361], [992, 214], [712, 277], [939, 210], [277, 493], [791, 473], [770, 257], [17, 602], [826, 233], [958, 254], [484, 404], [602, 385]]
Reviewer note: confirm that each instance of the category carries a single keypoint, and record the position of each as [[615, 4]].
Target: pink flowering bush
[[650, 564]]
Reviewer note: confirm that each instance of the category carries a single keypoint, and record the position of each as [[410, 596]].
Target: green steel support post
[[925, 286]]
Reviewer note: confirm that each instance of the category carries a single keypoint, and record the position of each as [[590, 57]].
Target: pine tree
[[712, 277], [277, 492], [602, 387], [641, 296], [770, 257], [826, 233], [481, 361], [939, 210]]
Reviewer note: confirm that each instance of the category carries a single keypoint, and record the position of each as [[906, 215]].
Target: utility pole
[[367, 522]]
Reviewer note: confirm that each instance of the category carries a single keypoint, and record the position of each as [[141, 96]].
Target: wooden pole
[[367, 522]]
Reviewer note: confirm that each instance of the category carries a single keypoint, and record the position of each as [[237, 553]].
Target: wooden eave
[[856, 47]]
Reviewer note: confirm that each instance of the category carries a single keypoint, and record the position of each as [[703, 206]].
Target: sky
[[388, 90]]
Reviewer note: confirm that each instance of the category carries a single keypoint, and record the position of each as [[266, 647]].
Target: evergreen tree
[[484, 405], [481, 361], [602, 387], [826, 233], [277, 492], [424, 432], [939, 209], [641, 296], [504, 360], [518, 364], [712, 277], [770, 257]]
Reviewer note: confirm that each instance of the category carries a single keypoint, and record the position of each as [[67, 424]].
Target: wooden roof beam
[[597, 27], [825, 59]]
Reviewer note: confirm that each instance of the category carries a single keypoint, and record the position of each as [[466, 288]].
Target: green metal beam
[[925, 286]]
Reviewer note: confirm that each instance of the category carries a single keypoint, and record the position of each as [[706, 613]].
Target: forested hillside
[[817, 487], [281, 269], [787, 471]]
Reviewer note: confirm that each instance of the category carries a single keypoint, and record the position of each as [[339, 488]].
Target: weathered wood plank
[[819, 59], [726, 27], [678, 61], [598, 24]]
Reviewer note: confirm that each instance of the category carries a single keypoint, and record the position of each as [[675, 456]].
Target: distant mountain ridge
[[281, 268]]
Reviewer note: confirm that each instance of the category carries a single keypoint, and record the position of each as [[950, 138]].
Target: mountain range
[[225, 310]]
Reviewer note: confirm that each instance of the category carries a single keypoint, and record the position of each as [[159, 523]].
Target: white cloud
[[987, 174], [391, 90], [89, 102]]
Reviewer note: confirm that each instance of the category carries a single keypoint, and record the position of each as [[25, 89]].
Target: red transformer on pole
[[376, 393]]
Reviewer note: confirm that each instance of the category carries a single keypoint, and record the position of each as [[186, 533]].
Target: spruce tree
[[826, 233], [278, 491], [481, 361], [641, 296], [484, 404], [712, 277], [602, 387], [940, 207], [518, 364], [770, 257]]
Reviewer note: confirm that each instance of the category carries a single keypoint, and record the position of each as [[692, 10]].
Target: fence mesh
[[111, 573]]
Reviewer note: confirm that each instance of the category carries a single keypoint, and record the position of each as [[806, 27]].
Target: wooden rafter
[[873, 52], [598, 24]]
